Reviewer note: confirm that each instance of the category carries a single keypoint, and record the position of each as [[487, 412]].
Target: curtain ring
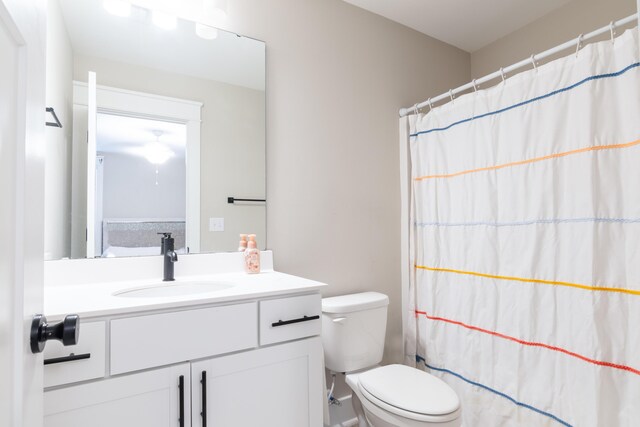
[[430, 105], [451, 94], [612, 28], [502, 74], [579, 44], [533, 62], [417, 110], [475, 86]]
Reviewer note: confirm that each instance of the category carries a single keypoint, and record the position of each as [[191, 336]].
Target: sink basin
[[173, 289]]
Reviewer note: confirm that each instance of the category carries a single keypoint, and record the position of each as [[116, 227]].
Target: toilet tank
[[353, 330]]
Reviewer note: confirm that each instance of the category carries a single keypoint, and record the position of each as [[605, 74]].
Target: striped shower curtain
[[525, 243]]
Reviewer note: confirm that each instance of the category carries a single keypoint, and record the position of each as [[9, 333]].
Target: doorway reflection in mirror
[[140, 184]]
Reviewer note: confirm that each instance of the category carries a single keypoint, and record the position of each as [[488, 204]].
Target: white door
[[22, 118], [279, 386], [156, 398]]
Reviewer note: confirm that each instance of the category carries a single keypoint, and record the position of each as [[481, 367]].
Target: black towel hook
[[55, 124]]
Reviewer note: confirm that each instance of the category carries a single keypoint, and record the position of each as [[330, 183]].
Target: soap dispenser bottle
[[242, 246], [252, 256]]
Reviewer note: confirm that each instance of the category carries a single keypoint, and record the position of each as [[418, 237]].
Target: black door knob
[[66, 331]]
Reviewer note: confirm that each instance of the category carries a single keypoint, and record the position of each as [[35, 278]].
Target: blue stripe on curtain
[[529, 101], [499, 393], [529, 222]]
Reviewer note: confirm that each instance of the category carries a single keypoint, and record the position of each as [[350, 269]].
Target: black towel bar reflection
[[55, 124], [289, 322], [232, 200]]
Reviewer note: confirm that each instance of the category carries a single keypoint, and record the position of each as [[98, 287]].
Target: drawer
[[84, 361], [162, 339], [291, 318]]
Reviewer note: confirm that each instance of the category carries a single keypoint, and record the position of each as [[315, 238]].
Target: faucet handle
[[165, 235]]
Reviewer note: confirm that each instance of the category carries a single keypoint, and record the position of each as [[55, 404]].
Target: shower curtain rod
[[530, 61]]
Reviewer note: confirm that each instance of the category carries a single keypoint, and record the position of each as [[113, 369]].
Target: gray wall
[[565, 23], [336, 77], [130, 190], [59, 95]]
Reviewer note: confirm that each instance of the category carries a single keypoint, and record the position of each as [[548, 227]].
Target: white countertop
[[97, 299]]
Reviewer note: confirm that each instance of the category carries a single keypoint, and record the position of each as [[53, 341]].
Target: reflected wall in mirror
[[140, 184], [162, 122]]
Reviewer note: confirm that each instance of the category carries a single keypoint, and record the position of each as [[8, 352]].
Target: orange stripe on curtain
[[530, 280], [534, 160]]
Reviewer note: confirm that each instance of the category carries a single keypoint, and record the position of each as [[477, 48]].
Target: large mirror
[[154, 125]]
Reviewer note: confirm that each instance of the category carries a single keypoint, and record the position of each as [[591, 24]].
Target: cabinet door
[[158, 398], [279, 386]]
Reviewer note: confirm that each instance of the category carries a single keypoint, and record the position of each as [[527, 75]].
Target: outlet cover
[[216, 224]]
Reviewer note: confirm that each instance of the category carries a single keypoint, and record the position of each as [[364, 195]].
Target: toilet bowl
[[400, 396], [353, 332]]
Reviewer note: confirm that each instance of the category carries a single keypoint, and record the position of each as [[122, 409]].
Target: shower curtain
[[525, 243]]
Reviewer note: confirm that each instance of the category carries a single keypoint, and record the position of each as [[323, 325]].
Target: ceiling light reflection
[[117, 7], [164, 20], [206, 32]]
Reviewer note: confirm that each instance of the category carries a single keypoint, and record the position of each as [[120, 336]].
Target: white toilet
[[353, 331]]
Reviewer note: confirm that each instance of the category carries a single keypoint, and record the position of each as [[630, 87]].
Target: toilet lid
[[409, 389]]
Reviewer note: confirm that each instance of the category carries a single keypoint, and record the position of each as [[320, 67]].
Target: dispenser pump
[[242, 246]]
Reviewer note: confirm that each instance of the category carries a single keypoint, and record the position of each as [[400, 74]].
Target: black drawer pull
[[69, 358], [289, 322], [181, 395], [203, 381]]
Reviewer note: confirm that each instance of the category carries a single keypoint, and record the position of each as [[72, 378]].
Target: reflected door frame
[[129, 103], [99, 196]]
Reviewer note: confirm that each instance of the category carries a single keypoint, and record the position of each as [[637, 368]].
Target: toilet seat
[[409, 393]]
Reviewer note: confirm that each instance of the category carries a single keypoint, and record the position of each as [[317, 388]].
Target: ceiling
[[128, 135], [467, 24], [135, 40]]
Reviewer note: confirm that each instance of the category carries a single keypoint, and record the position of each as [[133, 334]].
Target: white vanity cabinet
[[255, 363], [156, 398], [279, 386], [147, 341], [81, 362]]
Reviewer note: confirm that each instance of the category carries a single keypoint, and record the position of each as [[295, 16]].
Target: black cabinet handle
[[289, 322], [203, 381], [181, 388], [69, 358]]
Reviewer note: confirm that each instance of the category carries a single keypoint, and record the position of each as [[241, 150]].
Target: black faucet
[[169, 254]]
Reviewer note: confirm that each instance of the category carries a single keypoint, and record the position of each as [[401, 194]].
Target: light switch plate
[[216, 224]]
